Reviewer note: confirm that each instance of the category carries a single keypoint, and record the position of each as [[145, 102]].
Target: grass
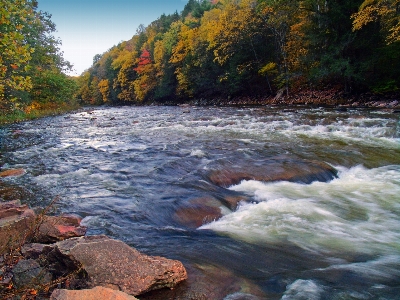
[[36, 111]]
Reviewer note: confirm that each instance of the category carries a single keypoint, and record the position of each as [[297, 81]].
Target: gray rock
[[28, 273], [97, 293], [32, 250], [112, 263]]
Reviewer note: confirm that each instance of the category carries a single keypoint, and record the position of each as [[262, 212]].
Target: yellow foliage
[[268, 69], [383, 11], [104, 89]]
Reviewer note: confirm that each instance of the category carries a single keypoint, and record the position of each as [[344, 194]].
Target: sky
[[90, 27]]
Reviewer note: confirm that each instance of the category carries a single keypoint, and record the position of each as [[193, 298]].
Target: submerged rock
[[196, 215], [12, 172], [200, 211], [210, 282], [112, 263], [97, 293], [301, 171], [9, 192]]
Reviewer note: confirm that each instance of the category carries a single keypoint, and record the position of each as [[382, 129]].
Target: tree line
[[212, 49], [229, 48]]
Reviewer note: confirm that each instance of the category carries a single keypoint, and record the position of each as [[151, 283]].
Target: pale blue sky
[[90, 27]]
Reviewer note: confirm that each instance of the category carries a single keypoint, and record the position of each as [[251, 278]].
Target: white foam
[[303, 290], [359, 211], [197, 153]]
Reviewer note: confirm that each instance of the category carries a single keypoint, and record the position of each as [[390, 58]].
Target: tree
[[15, 53], [386, 12], [31, 63], [146, 81]]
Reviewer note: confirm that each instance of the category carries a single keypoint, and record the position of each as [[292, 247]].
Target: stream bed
[[139, 174]]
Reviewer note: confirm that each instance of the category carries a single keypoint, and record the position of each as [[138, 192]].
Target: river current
[[127, 171]]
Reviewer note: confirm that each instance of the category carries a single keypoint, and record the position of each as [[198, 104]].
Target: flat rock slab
[[97, 293], [301, 171], [112, 263]]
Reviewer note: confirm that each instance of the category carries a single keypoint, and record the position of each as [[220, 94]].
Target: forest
[[212, 49]]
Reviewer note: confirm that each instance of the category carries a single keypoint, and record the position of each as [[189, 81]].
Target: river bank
[[312, 98], [308, 98]]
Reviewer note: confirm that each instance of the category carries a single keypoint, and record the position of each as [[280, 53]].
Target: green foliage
[[31, 65]]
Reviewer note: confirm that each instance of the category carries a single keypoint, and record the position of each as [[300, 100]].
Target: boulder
[[28, 273], [97, 293], [301, 171], [16, 225], [58, 228], [112, 263], [12, 172]]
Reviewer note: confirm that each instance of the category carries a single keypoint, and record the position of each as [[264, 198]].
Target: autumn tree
[[146, 81], [15, 53], [31, 64], [386, 12]]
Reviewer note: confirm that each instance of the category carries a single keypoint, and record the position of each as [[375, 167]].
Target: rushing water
[[127, 171]]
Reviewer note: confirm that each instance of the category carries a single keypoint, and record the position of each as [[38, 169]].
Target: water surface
[[127, 171]]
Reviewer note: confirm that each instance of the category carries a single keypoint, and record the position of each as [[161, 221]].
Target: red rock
[[16, 225], [59, 228], [12, 172], [97, 293], [302, 171]]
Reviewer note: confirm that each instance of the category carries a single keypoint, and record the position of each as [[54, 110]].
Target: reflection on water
[[128, 171]]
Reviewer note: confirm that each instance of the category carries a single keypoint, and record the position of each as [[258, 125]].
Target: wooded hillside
[[231, 48]]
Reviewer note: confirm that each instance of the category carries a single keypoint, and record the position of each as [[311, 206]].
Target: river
[[129, 172]]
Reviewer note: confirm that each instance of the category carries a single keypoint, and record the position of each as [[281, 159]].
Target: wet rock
[[112, 263], [9, 192], [301, 171], [12, 172], [16, 225], [28, 273], [200, 211], [97, 293], [197, 215], [58, 228], [210, 282], [232, 201]]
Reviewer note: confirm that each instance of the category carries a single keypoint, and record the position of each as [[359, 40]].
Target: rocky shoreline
[[303, 97], [45, 257]]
